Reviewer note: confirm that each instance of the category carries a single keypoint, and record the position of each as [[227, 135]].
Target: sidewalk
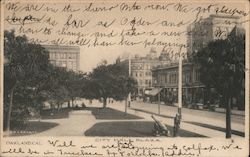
[[75, 125], [218, 110], [234, 112], [96, 121]]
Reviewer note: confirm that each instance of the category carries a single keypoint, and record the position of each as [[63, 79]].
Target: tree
[[30, 80], [24, 70], [75, 82], [110, 81], [222, 66], [57, 86]]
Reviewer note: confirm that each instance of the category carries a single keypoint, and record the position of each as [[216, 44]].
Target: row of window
[[146, 82], [70, 65], [55, 55], [141, 74], [172, 78], [141, 67]]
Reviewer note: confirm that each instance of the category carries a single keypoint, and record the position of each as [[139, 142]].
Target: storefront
[[153, 95]]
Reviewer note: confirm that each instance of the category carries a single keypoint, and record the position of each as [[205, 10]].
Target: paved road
[[172, 110], [209, 124], [194, 118]]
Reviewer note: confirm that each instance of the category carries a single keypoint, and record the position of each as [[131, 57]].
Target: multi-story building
[[64, 56], [141, 69], [165, 77], [214, 27]]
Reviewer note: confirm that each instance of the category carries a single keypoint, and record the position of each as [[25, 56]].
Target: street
[[186, 113], [195, 120], [113, 121]]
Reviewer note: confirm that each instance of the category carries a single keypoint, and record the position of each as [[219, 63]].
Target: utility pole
[[159, 102], [129, 74], [128, 99], [180, 84]]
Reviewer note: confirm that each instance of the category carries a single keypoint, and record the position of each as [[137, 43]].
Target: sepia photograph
[[163, 70]]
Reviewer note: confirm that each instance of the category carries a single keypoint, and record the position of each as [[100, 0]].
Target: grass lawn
[[131, 129], [109, 113], [31, 127]]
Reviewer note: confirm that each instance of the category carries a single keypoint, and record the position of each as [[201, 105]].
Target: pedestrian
[[176, 124]]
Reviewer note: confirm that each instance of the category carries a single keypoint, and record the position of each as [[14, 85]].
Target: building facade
[[203, 31], [141, 69], [64, 56], [165, 77]]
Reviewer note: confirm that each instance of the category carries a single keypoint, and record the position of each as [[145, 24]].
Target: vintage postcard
[[124, 78]]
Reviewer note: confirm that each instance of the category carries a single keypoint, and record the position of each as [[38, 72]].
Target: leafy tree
[[30, 80], [222, 66], [56, 88], [110, 81], [63, 86], [24, 70], [75, 84]]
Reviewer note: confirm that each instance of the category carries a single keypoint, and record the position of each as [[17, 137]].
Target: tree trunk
[[72, 100], [228, 117], [104, 102], [126, 105], [10, 110], [53, 106], [208, 97], [229, 97], [68, 104]]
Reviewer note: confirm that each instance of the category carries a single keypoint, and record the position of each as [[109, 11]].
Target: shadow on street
[[131, 129], [165, 116], [235, 132]]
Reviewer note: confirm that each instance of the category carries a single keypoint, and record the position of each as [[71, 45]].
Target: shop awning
[[154, 91]]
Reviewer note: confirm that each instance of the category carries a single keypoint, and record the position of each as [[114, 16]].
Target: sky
[[45, 22]]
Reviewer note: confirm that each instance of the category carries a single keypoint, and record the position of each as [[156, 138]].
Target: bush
[[19, 117]]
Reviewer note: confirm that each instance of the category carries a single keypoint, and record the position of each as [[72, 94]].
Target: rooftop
[[61, 47], [172, 65]]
